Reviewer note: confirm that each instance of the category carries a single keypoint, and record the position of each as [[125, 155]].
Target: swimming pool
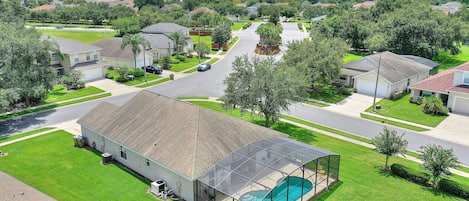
[[279, 193]]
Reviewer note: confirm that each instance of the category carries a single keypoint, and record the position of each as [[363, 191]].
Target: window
[[95, 56], [148, 162], [88, 57], [123, 153], [55, 58], [77, 58], [465, 79]]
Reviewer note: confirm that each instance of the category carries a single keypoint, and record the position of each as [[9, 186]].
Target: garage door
[[92, 74], [461, 105], [368, 87], [141, 64]]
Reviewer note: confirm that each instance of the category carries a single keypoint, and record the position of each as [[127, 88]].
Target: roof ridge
[[196, 136]]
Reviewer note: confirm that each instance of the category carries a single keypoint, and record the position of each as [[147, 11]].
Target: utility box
[[106, 158]]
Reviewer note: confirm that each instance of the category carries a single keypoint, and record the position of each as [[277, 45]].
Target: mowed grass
[[82, 36], [52, 165], [328, 94], [203, 39], [188, 63], [60, 93], [352, 57], [136, 80], [359, 167], [448, 61], [236, 26], [402, 109]]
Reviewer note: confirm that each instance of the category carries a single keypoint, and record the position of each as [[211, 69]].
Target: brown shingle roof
[[463, 67], [44, 7], [179, 135], [111, 47], [440, 82], [202, 10]]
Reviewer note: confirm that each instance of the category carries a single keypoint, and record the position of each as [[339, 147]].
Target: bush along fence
[[422, 178]]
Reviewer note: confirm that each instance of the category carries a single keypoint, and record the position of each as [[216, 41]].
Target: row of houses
[[94, 59], [386, 73]]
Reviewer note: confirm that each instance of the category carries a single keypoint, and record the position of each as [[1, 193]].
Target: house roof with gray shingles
[[393, 67], [164, 27], [159, 41], [422, 60], [181, 136], [111, 47], [68, 46]]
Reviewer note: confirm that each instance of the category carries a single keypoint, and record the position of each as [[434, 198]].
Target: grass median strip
[[13, 137], [52, 106], [60, 93], [317, 104], [394, 123], [153, 83]]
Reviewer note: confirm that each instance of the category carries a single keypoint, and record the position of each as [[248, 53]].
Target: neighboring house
[[396, 74], [169, 7], [451, 86], [450, 7], [160, 42], [114, 55], [77, 56], [365, 5], [201, 10], [205, 155], [435, 66]]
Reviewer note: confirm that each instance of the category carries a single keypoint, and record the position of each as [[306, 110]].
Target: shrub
[[181, 58], [416, 100], [109, 76], [397, 95], [433, 105], [136, 72], [165, 62], [412, 175], [123, 73], [247, 24], [252, 17], [454, 188], [300, 25]]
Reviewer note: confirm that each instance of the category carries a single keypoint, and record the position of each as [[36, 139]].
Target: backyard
[[448, 61], [360, 167], [82, 36], [402, 109], [52, 165]]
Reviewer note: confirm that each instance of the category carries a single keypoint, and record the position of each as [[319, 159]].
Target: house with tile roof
[[364, 5], [114, 55], [46, 7], [77, 56], [396, 74], [201, 154], [451, 86]]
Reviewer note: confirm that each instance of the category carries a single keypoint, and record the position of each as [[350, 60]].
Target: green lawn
[[236, 26], [360, 167], [352, 57], [402, 109], [12, 137], [82, 36], [154, 83], [448, 61], [52, 165], [314, 103], [328, 94], [48, 24], [189, 63], [307, 26], [391, 122], [137, 80], [192, 97], [60, 93], [203, 39]]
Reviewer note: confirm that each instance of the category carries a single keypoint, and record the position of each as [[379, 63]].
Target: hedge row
[[247, 25], [454, 188], [412, 175]]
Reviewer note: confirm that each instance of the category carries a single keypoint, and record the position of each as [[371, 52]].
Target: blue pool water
[[279, 193]]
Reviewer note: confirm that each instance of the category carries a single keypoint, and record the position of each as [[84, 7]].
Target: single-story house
[[77, 56], [433, 65], [158, 35], [205, 155], [451, 86], [114, 55], [396, 74]]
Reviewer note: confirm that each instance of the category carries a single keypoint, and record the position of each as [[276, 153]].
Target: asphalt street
[[210, 83]]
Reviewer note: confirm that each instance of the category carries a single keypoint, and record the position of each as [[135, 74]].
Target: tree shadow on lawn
[[295, 132], [326, 193]]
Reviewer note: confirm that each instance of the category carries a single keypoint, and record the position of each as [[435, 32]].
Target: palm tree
[[389, 143], [179, 40], [137, 42]]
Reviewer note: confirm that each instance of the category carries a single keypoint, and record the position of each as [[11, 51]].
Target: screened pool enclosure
[[270, 169]]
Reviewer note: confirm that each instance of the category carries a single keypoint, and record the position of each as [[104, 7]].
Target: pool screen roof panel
[[259, 165]]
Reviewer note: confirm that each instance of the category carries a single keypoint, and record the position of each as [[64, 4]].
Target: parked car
[[204, 67], [154, 69]]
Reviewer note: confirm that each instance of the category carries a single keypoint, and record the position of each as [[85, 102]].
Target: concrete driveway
[[353, 105], [454, 128]]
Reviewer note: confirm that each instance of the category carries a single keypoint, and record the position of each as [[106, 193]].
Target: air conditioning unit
[[158, 186]]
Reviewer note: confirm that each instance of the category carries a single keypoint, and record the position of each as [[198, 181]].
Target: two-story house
[[158, 35], [452, 86], [77, 56], [114, 55]]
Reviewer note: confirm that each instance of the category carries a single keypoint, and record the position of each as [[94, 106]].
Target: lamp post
[[376, 85]]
